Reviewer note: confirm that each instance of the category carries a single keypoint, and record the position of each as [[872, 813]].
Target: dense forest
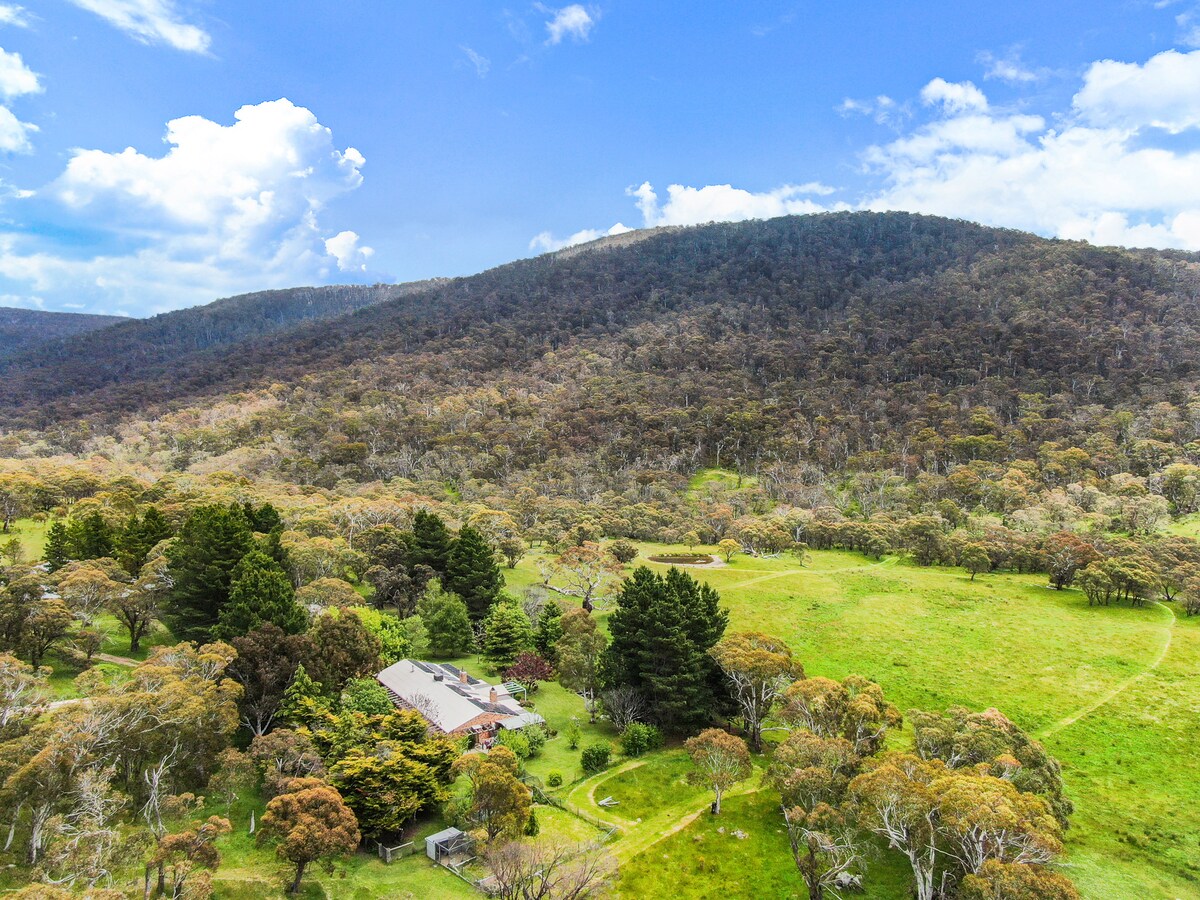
[[21, 329]]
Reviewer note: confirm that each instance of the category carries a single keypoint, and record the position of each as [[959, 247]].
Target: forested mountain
[[24, 328], [147, 349], [849, 340]]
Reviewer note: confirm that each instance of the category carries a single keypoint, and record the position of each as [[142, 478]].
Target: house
[[454, 702]]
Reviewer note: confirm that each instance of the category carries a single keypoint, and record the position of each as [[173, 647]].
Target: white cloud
[[1101, 172], [227, 208], [16, 78], [14, 134], [883, 110], [151, 22], [11, 14], [481, 63], [1008, 68], [1162, 93], [574, 21], [350, 257], [545, 241], [954, 97]]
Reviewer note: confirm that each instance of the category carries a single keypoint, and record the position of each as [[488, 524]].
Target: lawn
[[1110, 691], [32, 536]]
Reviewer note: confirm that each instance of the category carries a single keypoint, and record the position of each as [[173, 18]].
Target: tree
[[580, 651], [89, 537], [22, 691], [87, 589], [759, 668], [446, 620], [1066, 555], [548, 630], [431, 542], [974, 558], [925, 537], [208, 548], [662, 631], [260, 593], [529, 669], [539, 871], [728, 547], [998, 880], [721, 761], [388, 783], [138, 606], [584, 570], [16, 497], [497, 801], [472, 573], [309, 822], [283, 755], [854, 709], [57, 552], [826, 846], [267, 662], [328, 592], [623, 551], [512, 548], [366, 695], [183, 852], [236, 772], [139, 536], [342, 648], [47, 623], [506, 634]]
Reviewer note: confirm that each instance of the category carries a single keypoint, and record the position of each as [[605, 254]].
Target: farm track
[[1123, 686]]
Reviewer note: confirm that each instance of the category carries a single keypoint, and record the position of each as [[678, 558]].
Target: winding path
[[1123, 686]]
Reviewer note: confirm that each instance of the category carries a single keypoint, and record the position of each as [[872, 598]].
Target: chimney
[[492, 696], [462, 677]]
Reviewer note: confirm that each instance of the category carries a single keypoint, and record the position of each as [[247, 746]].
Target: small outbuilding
[[447, 844]]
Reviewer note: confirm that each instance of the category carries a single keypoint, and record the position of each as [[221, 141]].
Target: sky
[[156, 154]]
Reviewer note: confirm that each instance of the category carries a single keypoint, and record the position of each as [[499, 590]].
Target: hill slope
[[21, 329], [818, 338], [142, 350]]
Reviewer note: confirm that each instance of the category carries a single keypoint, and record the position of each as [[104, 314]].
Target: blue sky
[[273, 144]]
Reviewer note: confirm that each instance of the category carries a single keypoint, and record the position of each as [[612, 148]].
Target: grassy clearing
[[32, 536], [1109, 689]]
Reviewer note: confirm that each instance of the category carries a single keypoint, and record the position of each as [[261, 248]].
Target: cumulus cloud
[[574, 21], [1162, 93], [227, 208], [151, 22], [16, 78], [1100, 171]]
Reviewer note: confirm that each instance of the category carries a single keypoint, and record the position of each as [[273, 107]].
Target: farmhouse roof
[[452, 700]]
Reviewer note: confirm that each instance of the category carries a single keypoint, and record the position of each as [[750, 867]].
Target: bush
[[536, 736], [515, 741], [573, 735], [595, 758], [623, 551], [554, 779], [532, 827], [637, 739]]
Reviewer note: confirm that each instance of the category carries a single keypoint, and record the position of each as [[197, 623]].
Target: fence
[[541, 796], [388, 854]]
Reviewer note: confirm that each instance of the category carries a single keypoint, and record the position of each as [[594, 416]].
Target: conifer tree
[[57, 547], [90, 537], [473, 574], [138, 537], [260, 593], [506, 632], [209, 546], [549, 630], [447, 624], [431, 542], [662, 631], [303, 700]]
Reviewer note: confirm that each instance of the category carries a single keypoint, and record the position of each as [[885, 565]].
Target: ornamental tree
[[309, 823], [721, 760]]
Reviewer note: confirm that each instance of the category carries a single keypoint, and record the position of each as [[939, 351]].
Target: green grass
[[932, 638], [640, 790], [32, 536]]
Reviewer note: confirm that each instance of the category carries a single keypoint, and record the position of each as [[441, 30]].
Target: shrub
[[595, 758], [623, 551], [573, 735], [532, 827], [637, 739], [515, 741], [528, 670], [536, 736], [554, 779]]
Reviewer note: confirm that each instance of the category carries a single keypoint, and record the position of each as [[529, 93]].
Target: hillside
[[139, 351], [835, 340], [21, 329]]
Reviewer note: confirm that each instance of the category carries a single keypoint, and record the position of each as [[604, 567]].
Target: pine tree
[[431, 542], [90, 537], [209, 546], [506, 632], [271, 543], [264, 519], [447, 624], [57, 547], [662, 631], [473, 574], [138, 537], [303, 699], [260, 593], [549, 630]]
